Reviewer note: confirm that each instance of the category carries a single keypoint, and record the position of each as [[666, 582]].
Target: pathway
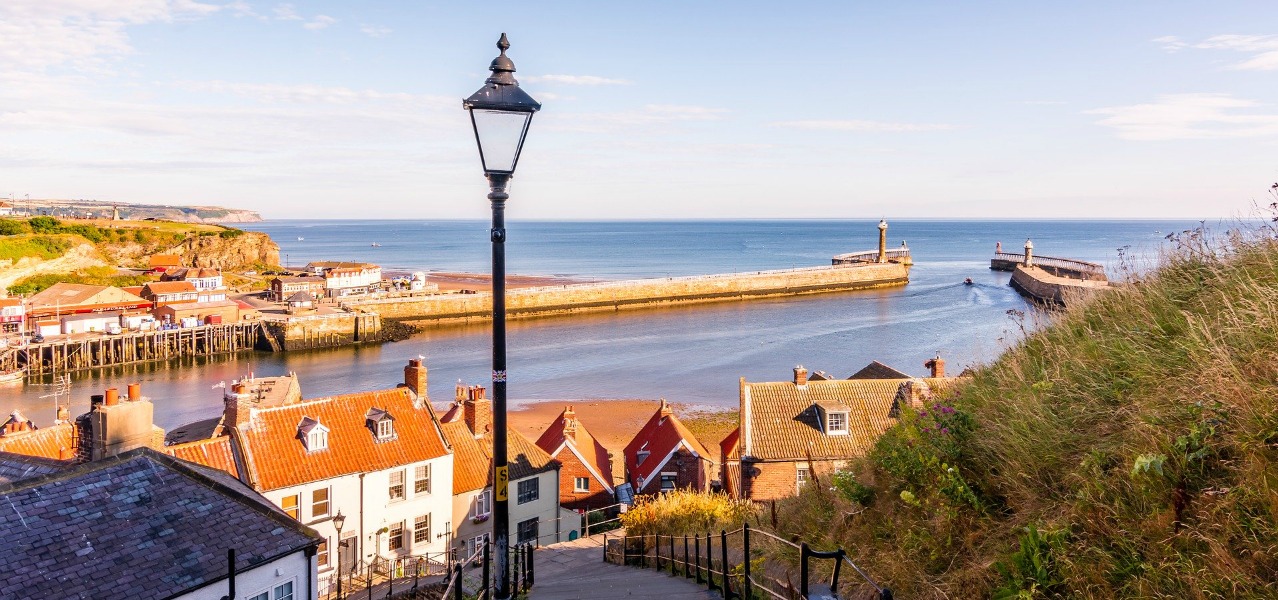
[[575, 570]]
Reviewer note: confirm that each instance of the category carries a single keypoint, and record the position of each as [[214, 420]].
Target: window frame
[[292, 590], [317, 439], [519, 531], [577, 487], [531, 494], [296, 511], [385, 429], [802, 475], [395, 541], [392, 485], [418, 479], [673, 478], [322, 554], [484, 500], [327, 502], [830, 428], [417, 530]]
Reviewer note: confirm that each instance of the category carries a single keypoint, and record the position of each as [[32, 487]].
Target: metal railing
[[1067, 264], [745, 564], [870, 256]]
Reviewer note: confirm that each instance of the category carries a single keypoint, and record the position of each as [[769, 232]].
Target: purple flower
[[922, 413], [947, 410], [945, 430]]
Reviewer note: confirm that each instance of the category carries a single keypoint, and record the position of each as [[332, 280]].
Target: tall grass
[[1129, 448], [683, 512]]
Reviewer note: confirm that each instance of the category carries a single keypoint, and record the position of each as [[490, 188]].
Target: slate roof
[[660, 436], [878, 370], [473, 458], [781, 420], [185, 273], [140, 525], [526, 458], [591, 452], [16, 467], [275, 458], [302, 296], [46, 442], [215, 453]]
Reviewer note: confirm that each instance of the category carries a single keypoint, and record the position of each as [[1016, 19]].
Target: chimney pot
[[112, 397], [665, 408], [135, 392], [95, 400], [800, 376], [936, 366]]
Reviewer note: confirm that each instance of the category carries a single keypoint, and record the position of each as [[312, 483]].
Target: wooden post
[[723, 551], [696, 546], [673, 563], [747, 588]]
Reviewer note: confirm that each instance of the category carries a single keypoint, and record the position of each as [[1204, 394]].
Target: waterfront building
[[141, 525], [47, 310], [379, 458], [163, 293], [535, 514], [300, 303], [159, 263], [284, 287], [586, 479], [199, 313], [12, 316], [790, 431], [201, 278], [350, 281], [665, 456]]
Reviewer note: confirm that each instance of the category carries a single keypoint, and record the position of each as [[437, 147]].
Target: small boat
[[301, 239], [375, 245], [967, 281], [15, 376]]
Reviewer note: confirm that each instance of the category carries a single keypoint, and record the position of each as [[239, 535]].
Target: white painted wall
[[295, 567]]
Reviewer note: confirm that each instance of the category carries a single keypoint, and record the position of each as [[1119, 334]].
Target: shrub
[[230, 234], [44, 224], [682, 512], [13, 227], [43, 247]]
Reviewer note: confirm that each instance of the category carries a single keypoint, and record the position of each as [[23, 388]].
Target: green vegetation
[[39, 246], [1128, 449], [683, 512], [91, 275]]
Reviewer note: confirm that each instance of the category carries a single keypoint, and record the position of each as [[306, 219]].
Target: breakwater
[[1042, 286], [639, 293]]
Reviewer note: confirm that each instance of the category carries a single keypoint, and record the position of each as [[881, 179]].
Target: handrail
[[1053, 261]]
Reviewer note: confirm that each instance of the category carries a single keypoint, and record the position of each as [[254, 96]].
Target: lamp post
[[338, 521], [500, 113]]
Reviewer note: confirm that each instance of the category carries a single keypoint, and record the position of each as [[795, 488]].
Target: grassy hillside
[[1128, 449]]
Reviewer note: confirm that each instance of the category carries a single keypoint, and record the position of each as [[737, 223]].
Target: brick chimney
[[459, 395], [665, 408], [477, 410], [415, 378], [112, 427], [570, 424], [800, 376], [936, 366]]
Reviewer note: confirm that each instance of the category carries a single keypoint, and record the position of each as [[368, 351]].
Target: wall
[[694, 473], [640, 293], [597, 497], [295, 567], [775, 480], [463, 527], [545, 509], [322, 331], [1042, 286]]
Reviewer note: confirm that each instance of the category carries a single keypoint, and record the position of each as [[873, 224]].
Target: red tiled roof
[[164, 260], [275, 457], [47, 442], [729, 447], [660, 436], [472, 465], [781, 420], [584, 445], [168, 287], [10, 301], [215, 452]]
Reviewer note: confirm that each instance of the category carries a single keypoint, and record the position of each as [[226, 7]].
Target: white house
[[344, 281]]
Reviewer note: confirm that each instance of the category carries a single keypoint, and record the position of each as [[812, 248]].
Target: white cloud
[[287, 12], [305, 94], [1262, 48], [1191, 117], [863, 126], [319, 22], [575, 80], [376, 31], [1044, 102]]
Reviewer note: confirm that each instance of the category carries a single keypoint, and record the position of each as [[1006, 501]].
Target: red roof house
[[665, 456], [586, 477]]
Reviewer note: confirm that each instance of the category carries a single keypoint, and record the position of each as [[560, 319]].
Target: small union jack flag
[[499, 377]]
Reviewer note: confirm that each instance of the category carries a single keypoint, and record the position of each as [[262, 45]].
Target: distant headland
[[132, 211]]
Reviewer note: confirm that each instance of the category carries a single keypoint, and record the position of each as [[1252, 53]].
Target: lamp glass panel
[[500, 134]]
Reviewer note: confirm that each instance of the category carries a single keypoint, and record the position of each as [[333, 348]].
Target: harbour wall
[[1044, 287], [640, 293], [320, 331]]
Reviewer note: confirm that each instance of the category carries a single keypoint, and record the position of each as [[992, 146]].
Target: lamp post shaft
[[501, 506]]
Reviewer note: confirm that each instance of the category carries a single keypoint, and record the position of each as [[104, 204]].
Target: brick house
[[586, 480], [283, 287], [534, 478], [792, 430], [163, 293], [665, 456]]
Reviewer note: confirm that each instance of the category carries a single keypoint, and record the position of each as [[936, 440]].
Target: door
[[348, 554]]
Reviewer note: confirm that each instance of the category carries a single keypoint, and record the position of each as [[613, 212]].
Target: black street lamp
[[338, 520], [500, 113]]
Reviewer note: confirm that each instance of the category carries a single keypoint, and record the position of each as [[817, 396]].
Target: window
[[528, 491], [581, 484], [421, 529], [475, 546], [322, 553], [396, 539], [483, 505], [385, 429], [396, 485], [284, 591], [668, 482], [317, 439], [528, 531], [836, 423], [261, 596], [801, 477], [289, 504], [421, 483], [319, 503], [641, 456]]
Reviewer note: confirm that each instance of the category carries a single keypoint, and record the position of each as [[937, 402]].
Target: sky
[[651, 110]]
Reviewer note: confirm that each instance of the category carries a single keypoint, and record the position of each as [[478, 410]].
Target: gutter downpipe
[[361, 513]]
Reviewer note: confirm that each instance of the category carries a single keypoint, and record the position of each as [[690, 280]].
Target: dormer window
[[642, 455], [836, 423], [313, 434], [381, 423]]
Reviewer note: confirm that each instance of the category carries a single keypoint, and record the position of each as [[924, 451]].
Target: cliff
[[239, 251], [138, 212]]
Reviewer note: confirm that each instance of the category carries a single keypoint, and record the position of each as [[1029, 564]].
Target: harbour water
[[692, 354]]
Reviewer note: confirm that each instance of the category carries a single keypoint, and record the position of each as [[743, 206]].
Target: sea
[[693, 355]]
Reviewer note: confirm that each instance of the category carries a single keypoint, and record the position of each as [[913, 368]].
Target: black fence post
[[838, 564], [803, 569], [625, 541], [370, 579], [605, 547], [885, 594], [514, 585], [390, 582], [457, 582], [486, 565], [710, 563], [673, 563], [696, 547], [687, 564], [656, 551], [747, 587], [723, 551], [532, 569]]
